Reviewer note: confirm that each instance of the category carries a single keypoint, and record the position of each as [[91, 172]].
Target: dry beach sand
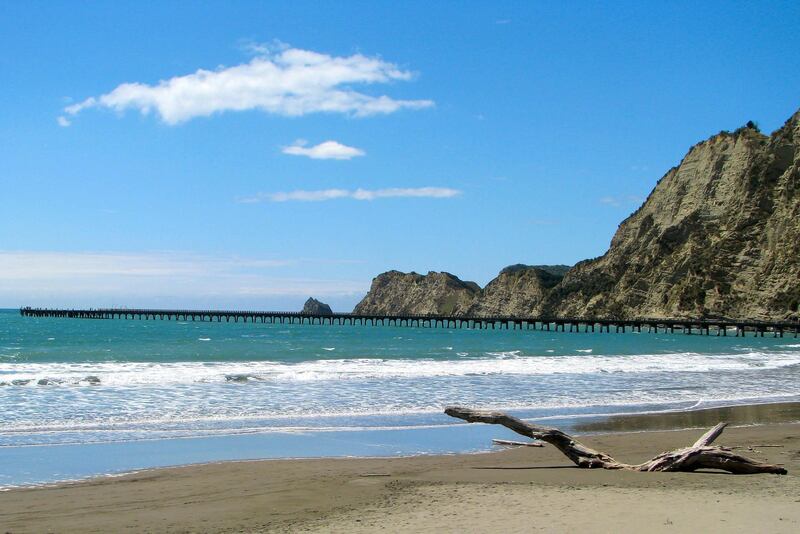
[[518, 490]]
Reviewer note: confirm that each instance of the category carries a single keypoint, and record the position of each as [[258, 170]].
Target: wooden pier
[[719, 327]]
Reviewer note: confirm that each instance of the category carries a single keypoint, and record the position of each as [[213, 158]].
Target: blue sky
[[329, 141]]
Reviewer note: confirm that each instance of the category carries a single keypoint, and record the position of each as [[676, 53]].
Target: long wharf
[[558, 324]]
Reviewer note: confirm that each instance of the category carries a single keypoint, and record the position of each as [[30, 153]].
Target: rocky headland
[[719, 236], [394, 292], [517, 290]]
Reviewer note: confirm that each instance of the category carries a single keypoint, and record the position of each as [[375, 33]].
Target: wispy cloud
[[618, 201], [356, 194], [279, 80], [325, 150], [25, 265]]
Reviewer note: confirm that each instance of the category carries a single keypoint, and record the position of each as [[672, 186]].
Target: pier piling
[[703, 326]]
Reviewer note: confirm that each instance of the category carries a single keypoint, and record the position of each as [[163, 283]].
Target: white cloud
[[325, 150], [283, 81], [357, 194], [621, 200], [255, 48], [307, 196], [63, 121]]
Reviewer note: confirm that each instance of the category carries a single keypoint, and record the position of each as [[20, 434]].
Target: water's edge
[[449, 439]]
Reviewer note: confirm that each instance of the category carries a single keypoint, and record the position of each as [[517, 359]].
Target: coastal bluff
[[718, 237], [517, 290], [394, 292]]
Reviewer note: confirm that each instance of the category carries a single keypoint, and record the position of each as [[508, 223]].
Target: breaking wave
[[507, 363]]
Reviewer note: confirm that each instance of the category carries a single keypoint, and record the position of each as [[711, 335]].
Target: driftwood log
[[509, 443], [701, 455]]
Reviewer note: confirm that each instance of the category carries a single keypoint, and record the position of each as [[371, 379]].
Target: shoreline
[[579, 424], [350, 494], [364, 443]]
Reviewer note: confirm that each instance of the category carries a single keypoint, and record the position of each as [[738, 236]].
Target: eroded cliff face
[[396, 293], [517, 290], [719, 236]]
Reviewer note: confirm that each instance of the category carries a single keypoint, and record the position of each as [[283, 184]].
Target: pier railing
[[558, 324]]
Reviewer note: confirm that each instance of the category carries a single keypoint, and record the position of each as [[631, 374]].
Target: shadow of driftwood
[[529, 467]]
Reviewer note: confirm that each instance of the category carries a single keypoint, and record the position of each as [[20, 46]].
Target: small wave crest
[[503, 363]]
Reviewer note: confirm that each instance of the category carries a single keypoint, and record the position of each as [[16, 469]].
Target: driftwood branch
[[701, 455], [509, 443], [709, 437]]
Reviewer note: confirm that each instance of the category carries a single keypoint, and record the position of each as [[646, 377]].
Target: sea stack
[[315, 307]]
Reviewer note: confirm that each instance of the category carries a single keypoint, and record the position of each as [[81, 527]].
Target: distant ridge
[[557, 270]]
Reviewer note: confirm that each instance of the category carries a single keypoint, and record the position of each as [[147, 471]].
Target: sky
[[253, 154]]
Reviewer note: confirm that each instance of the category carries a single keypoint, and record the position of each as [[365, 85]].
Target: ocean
[[82, 398]]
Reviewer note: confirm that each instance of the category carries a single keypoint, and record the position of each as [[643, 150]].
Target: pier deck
[[718, 327]]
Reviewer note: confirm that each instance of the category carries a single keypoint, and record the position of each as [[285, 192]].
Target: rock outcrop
[[719, 236], [394, 292], [315, 307], [517, 290]]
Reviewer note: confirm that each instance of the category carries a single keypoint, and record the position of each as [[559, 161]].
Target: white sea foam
[[501, 363], [180, 426]]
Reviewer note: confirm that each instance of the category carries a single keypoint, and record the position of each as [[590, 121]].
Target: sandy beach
[[516, 490]]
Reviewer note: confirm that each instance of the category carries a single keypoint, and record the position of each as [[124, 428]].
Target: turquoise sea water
[[84, 397]]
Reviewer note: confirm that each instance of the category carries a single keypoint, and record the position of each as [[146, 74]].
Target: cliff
[[516, 291], [719, 236], [394, 292]]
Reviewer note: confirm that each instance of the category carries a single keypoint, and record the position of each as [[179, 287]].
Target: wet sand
[[516, 490]]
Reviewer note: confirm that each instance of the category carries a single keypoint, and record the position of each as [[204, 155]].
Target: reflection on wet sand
[[752, 414]]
